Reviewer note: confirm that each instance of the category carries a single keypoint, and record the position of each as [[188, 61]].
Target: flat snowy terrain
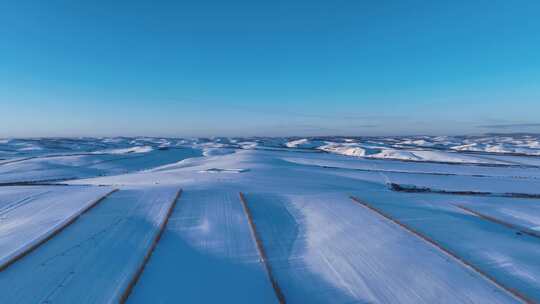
[[270, 220]]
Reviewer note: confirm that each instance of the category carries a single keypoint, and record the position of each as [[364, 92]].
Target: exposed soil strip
[[262, 253], [414, 172], [483, 153], [45, 182], [151, 249], [55, 232], [416, 189], [501, 222], [446, 251]]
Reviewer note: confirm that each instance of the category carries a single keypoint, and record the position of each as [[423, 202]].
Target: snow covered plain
[[441, 220]]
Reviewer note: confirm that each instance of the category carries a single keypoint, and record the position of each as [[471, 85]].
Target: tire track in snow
[[56, 231], [518, 295], [22, 202], [136, 277], [262, 252]]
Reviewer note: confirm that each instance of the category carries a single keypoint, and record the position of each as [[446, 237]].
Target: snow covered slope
[[82, 165]]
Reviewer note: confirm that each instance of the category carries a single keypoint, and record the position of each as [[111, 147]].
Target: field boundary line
[[446, 251], [131, 285], [262, 252]]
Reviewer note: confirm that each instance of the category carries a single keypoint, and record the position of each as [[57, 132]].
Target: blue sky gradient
[[269, 68]]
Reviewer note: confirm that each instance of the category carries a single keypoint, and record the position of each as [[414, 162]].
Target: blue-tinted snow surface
[[95, 258], [322, 247], [207, 255], [497, 250], [328, 249], [109, 162], [30, 214]]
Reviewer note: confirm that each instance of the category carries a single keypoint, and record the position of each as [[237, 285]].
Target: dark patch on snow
[[417, 189]]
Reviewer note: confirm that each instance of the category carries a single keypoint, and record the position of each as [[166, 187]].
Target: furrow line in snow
[[486, 217], [13, 206], [55, 232], [15, 161], [148, 255], [518, 295], [262, 252]]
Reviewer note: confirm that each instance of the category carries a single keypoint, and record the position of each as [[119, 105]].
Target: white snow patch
[[304, 143], [217, 151], [350, 149], [137, 149]]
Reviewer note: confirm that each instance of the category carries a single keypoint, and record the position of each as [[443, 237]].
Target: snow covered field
[[100, 220], [31, 214]]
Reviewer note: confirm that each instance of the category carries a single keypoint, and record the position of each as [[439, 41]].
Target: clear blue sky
[[309, 67]]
